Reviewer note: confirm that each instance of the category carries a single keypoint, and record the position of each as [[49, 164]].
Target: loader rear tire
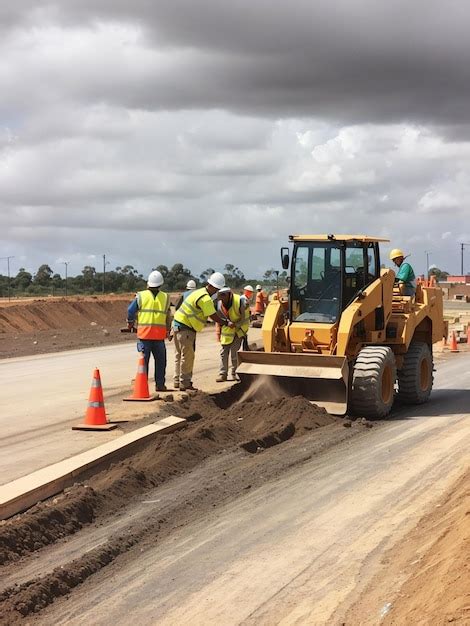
[[373, 382], [415, 379]]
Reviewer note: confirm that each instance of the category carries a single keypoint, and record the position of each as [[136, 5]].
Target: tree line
[[123, 279]]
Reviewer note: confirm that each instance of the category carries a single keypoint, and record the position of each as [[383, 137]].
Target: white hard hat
[[248, 288], [258, 287], [191, 284], [217, 280], [155, 279]]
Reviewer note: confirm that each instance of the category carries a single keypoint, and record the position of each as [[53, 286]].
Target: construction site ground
[[262, 510]]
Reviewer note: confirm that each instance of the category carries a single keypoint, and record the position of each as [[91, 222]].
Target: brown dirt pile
[[61, 314], [42, 326], [438, 588], [426, 577], [210, 429]]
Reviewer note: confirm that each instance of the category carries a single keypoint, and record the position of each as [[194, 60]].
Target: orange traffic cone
[[453, 343], [95, 417], [141, 385]]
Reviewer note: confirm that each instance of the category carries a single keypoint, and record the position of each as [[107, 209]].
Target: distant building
[[459, 279]]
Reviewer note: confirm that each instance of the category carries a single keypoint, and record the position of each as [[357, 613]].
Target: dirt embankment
[[232, 436], [432, 567], [52, 325]]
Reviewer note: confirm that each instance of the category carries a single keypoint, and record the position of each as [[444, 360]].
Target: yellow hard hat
[[395, 253]]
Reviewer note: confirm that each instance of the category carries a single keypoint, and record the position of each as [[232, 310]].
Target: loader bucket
[[321, 379]]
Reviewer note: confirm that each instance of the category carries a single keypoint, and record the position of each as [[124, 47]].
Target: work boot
[[233, 375], [176, 384], [188, 387], [221, 378], [161, 388]]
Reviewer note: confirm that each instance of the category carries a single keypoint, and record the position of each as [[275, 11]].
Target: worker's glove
[[140, 346], [130, 325], [230, 324], [169, 334]]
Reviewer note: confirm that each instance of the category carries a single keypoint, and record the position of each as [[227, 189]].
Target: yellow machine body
[[316, 359]]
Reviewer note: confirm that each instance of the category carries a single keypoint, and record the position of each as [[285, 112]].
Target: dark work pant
[[156, 347]]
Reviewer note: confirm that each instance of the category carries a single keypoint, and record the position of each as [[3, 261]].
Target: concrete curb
[[24, 492]]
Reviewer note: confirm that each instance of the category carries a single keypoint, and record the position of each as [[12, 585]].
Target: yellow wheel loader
[[344, 336]]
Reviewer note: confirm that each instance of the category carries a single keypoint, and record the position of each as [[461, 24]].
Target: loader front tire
[[373, 382], [415, 378]]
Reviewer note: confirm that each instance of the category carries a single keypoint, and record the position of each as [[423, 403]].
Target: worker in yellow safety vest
[[152, 309], [190, 319], [234, 308]]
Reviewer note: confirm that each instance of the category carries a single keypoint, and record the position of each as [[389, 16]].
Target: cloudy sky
[[158, 131]]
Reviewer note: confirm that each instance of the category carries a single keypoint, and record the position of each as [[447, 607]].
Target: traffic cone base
[[84, 426], [149, 399], [141, 385]]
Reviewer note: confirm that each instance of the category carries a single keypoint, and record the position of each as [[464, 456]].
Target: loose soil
[[227, 446], [427, 576], [55, 324]]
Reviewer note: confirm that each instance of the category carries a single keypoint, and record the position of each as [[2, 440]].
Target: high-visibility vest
[[189, 313], [152, 314], [259, 304], [241, 319]]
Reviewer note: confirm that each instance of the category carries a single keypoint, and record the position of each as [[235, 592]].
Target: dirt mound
[[61, 314], [426, 576], [252, 425], [437, 591]]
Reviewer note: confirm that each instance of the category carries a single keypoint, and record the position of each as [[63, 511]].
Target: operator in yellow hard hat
[[405, 277]]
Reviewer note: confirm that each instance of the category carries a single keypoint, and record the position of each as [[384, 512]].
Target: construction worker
[[260, 302], [233, 308], [152, 308], [190, 286], [190, 319], [405, 277], [248, 292]]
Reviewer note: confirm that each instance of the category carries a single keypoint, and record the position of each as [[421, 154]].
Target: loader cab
[[328, 274]]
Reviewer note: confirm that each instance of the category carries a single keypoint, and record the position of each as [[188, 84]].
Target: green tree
[[205, 274], [22, 280], [43, 275], [439, 274], [234, 277]]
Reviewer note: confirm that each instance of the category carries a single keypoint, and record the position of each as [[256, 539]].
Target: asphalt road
[[43, 396], [299, 549]]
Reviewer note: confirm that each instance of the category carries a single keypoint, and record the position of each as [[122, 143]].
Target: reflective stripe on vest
[[242, 324], [189, 313], [152, 314]]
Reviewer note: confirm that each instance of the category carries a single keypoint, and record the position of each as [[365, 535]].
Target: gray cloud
[[208, 131]]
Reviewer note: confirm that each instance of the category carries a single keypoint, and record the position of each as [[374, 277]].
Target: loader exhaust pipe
[[321, 379]]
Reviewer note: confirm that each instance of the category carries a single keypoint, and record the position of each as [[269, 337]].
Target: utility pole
[[462, 245], [7, 258], [105, 263], [427, 253], [66, 263]]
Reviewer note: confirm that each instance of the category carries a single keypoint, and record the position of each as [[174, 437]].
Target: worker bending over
[[260, 303], [405, 277], [190, 319], [233, 308], [152, 308]]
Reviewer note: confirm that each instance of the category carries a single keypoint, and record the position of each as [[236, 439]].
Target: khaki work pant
[[185, 346], [229, 350]]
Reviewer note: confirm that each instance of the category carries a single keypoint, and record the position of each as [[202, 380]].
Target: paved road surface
[[299, 549], [43, 395]]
